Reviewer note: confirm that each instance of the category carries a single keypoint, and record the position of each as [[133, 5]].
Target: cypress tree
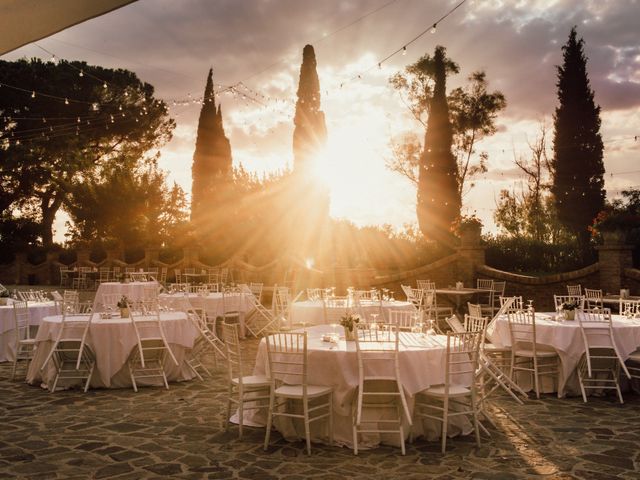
[[438, 202], [310, 132], [212, 158], [578, 180]]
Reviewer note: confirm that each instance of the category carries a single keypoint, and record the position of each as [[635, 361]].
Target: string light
[[404, 51], [66, 101], [33, 94], [433, 28], [54, 60]]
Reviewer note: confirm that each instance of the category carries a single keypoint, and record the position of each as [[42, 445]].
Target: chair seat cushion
[[454, 391], [539, 353], [295, 391], [253, 381]]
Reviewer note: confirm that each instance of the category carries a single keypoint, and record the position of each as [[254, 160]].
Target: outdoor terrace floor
[[179, 433]]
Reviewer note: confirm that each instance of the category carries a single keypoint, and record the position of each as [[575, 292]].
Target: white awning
[[26, 21]]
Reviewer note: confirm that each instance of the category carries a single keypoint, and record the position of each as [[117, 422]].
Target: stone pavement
[[179, 433]]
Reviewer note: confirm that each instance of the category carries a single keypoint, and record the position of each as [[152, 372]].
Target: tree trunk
[[49, 210]]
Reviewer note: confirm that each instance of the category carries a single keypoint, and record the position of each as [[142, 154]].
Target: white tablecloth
[[311, 312], [422, 361], [37, 311], [566, 339], [112, 340], [133, 290]]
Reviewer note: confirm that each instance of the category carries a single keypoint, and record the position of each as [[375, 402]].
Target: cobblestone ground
[[178, 433]]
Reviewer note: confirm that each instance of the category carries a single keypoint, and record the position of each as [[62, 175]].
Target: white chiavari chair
[[247, 392], [24, 342], [599, 366], [458, 395], [288, 361], [375, 348], [72, 358], [526, 354]]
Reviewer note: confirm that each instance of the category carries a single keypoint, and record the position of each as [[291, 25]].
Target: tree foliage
[[212, 161], [59, 128], [578, 183], [129, 202], [473, 113]]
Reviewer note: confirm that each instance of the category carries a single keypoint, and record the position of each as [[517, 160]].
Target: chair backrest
[[426, 284], [70, 301], [231, 301], [474, 323], [72, 336], [314, 294], [597, 335], [630, 308], [475, 309], [234, 352], [224, 275], [287, 357], [499, 288], [22, 320], [575, 290], [404, 320], [461, 359], [333, 309], [379, 345], [455, 325], [57, 297], [256, 289], [558, 300], [593, 298], [484, 284], [515, 300], [105, 274], [148, 328], [163, 275], [522, 328]]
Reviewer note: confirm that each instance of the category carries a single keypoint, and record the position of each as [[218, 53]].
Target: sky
[[256, 45]]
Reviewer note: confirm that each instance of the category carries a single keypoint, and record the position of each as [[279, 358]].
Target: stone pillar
[[53, 270], [613, 258], [470, 255]]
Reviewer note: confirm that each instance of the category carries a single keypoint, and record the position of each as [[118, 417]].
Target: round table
[[37, 311], [132, 290], [565, 338], [311, 312], [422, 362], [112, 340]]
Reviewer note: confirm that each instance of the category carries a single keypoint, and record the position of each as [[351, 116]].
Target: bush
[[526, 256]]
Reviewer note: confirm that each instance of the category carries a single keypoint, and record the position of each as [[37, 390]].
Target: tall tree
[[61, 123], [578, 182], [310, 132], [212, 162], [473, 112], [438, 199]]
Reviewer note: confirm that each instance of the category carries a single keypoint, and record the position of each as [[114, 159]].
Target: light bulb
[[66, 101], [433, 28], [81, 74], [404, 50], [104, 85], [380, 66], [54, 60], [33, 94]]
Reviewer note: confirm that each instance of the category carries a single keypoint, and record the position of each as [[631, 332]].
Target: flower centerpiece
[[349, 323], [123, 305], [569, 310]]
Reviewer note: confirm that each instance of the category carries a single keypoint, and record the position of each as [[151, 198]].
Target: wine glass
[[374, 322]]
